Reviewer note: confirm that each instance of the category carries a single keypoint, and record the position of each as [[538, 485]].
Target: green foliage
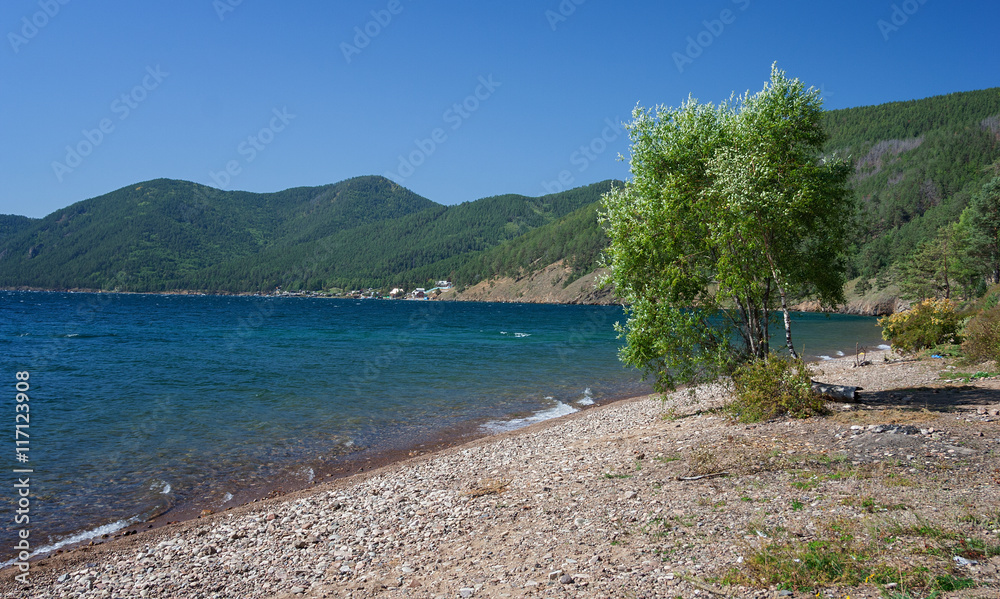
[[941, 267], [982, 336], [773, 387], [729, 210], [11, 224], [927, 324], [982, 221], [364, 232], [918, 163]]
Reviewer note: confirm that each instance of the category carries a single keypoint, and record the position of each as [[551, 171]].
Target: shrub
[[982, 336], [772, 387], [929, 323]]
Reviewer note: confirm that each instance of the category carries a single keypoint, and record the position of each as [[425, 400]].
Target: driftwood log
[[843, 393]]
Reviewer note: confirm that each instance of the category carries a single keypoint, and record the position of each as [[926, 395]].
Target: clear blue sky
[[501, 96]]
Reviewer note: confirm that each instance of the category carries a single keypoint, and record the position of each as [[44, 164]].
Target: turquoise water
[[141, 403]]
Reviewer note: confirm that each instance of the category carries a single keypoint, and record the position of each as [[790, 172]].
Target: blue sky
[[454, 100]]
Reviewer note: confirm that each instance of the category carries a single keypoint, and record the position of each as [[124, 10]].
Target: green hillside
[[11, 224], [166, 235], [917, 165]]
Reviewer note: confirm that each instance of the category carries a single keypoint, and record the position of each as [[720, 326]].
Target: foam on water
[[825, 357], [80, 537], [500, 426], [160, 486], [840, 353], [587, 399], [884, 346], [308, 473]]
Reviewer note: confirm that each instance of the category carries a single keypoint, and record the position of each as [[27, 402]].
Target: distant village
[[397, 293]]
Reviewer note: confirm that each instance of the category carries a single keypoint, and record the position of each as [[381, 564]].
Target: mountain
[[916, 165], [167, 235]]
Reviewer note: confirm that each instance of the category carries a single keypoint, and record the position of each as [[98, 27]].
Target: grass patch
[[844, 557], [968, 377], [805, 485]]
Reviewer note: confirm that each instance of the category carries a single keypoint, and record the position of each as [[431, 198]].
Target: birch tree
[[730, 213]]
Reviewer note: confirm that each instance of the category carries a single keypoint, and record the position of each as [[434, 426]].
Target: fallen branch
[[843, 393], [701, 476]]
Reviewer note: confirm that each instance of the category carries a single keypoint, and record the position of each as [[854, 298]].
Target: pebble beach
[[645, 497]]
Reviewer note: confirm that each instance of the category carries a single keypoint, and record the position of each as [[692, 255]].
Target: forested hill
[[917, 164], [165, 235], [11, 225]]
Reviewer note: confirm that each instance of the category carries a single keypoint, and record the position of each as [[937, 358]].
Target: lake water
[[141, 404]]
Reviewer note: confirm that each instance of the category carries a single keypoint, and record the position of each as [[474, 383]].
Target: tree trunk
[[842, 393], [787, 316]]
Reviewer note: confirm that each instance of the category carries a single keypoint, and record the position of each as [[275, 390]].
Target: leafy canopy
[[730, 212]]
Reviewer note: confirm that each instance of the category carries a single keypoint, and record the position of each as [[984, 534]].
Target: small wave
[[825, 357], [840, 353], [884, 346], [500, 426], [516, 335], [587, 399], [308, 473], [79, 537], [227, 498]]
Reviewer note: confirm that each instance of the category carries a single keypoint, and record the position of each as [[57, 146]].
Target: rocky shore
[[639, 498]]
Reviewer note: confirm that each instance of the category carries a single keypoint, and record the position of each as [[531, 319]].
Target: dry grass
[[913, 416], [490, 486]]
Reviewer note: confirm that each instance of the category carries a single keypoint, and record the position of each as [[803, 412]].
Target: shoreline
[[877, 308], [355, 464], [346, 473], [358, 463], [569, 506]]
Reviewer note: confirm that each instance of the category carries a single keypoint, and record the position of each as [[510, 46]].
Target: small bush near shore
[[982, 336], [931, 322], [773, 387]]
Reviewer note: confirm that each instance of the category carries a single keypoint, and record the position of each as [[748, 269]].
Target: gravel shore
[[646, 497]]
